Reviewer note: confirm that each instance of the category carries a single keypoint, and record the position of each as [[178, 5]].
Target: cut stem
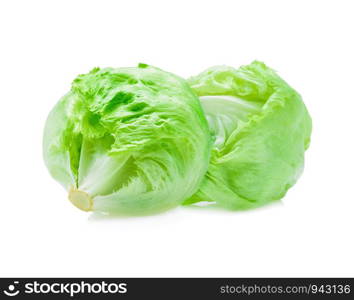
[[80, 199]]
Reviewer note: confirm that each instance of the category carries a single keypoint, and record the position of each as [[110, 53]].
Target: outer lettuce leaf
[[128, 140], [261, 129]]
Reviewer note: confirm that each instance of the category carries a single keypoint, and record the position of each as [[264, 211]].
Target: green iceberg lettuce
[[127, 141], [261, 129]]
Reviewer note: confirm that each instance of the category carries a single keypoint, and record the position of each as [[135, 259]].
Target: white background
[[45, 44]]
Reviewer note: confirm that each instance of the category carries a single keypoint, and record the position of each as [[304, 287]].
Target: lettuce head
[[127, 140], [261, 129]]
